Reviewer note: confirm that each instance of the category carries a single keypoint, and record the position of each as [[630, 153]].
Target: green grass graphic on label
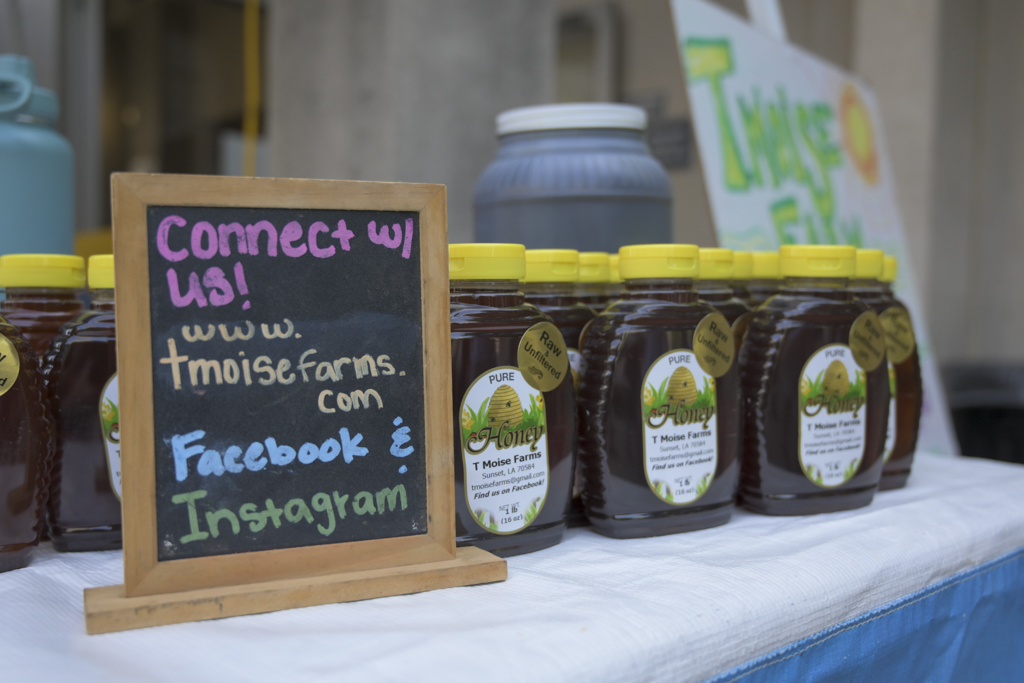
[[534, 510], [851, 470], [702, 487], [486, 519], [475, 420], [655, 399], [812, 389], [109, 417], [534, 415], [814, 474], [664, 491]]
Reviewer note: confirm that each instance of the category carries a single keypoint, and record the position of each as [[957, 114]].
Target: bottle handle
[[15, 92]]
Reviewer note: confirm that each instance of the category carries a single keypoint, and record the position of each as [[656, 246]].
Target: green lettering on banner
[[762, 144], [813, 128], [776, 136], [711, 60], [784, 214]]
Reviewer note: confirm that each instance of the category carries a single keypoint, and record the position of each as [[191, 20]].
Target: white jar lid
[[561, 116]]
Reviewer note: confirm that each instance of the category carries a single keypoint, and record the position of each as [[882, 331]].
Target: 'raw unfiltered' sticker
[[10, 365]]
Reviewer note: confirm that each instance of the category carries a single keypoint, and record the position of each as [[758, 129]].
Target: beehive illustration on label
[[504, 406], [682, 389], [837, 380]]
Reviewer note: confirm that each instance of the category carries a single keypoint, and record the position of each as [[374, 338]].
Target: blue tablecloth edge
[[801, 646]]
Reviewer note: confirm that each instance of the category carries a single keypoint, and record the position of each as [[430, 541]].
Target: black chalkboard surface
[[287, 377]]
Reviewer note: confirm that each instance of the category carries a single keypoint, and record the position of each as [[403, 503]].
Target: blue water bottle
[[37, 183]]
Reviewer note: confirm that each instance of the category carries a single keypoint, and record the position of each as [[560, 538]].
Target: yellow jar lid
[[715, 264], [594, 266], [613, 268], [869, 264], [552, 265], [816, 260], [486, 261], [889, 268], [101, 271], [659, 260], [42, 270], [742, 265], [764, 265]]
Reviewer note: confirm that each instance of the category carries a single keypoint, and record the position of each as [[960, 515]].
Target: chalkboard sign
[[288, 382], [283, 353]]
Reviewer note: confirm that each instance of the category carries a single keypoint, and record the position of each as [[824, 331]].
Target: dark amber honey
[[558, 301], [909, 394], [83, 512], [806, 316], [654, 317], [515, 448], [720, 295], [40, 312], [41, 294], [26, 443]]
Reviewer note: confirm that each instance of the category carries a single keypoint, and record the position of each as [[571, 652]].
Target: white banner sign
[[793, 153]]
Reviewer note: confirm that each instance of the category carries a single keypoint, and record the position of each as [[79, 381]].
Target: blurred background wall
[[403, 91], [407, 90]]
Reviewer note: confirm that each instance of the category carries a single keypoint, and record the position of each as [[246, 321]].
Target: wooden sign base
[[107, 610]]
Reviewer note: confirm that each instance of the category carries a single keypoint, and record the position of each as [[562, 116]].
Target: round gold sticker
[[867, 341], [714, 345], [899, 334], [10, 364], [543, 357], [739, 328]]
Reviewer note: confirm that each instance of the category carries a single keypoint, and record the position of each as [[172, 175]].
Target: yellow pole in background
[[251, 70]]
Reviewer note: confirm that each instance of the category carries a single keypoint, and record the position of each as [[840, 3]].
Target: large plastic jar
[[574, 176], [37, 192]]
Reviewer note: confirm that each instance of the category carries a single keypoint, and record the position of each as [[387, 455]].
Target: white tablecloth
[[674, 608]]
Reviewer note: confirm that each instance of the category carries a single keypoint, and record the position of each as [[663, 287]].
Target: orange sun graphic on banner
[[858, 134]]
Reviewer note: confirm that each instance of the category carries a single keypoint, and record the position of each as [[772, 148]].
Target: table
[[676, 608]]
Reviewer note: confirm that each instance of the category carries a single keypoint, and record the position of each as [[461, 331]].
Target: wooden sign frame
[[159, 592]]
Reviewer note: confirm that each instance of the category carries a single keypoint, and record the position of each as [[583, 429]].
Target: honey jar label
[[867, 339], [110, 423], [833, 416], [899, 334], [577, 366], [890, 427], [679, 409], [713, 344], [739, 329], [10, 364], [543, 356], [504, 450], [583, 332]]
